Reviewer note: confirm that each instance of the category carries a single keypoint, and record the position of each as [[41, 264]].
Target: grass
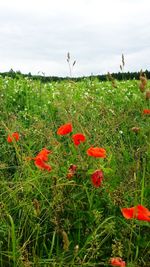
[[49, 220]]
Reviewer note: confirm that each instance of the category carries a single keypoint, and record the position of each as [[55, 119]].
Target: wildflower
[[96, 152], [43, 154], [146, 111], [97, 178], [72, 171], [138, 212], [40, 159], [117, 262], [65, 129], [42, 165], [78, 138], [11, 138]]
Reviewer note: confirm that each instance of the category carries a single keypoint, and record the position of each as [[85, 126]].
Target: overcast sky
[[36, 35]]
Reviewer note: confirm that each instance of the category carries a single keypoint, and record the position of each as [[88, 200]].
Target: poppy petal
[[64, 129], [117, 262], [127, 212], [97, 178], [96, 152], [78, 138], [138, 212], [14, 136], [9, 139], [143, 210], [43, 154], [42, 165]]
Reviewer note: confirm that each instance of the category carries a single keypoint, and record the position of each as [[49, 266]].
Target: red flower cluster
[[11, 138], [40, 159], [138, 212], [97, 178], [146, 111], [67, 128], [117, 262], [96, 152]]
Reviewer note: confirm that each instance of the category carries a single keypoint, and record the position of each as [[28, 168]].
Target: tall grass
[[49, 220]]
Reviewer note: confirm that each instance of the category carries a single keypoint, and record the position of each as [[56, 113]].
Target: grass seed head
[[147, 95], [65, 240], [142, 87], [143, 80], [36, 205], [123, 61]]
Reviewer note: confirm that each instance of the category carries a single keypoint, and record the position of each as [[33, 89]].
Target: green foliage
[[49, 220]]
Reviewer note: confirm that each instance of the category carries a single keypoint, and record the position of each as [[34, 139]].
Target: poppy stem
[[143, 182]]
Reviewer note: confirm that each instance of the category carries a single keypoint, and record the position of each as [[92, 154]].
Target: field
[[55, 209]]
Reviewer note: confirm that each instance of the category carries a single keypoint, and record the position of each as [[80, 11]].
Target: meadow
[[68, 199]]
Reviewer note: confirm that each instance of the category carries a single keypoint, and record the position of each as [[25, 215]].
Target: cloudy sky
[[36, 35]]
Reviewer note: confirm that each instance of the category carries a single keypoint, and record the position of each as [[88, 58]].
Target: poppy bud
[[72, 168], [97, 178], [135, 129], [72, 171]]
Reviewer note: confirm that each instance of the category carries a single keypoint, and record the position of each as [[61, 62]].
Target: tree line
[[101, 77]]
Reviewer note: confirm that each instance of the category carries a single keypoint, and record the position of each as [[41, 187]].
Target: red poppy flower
[[97, 178], [65, 129], [96, 152], [138, 212], [43, 154], [117, 262], [42, 165], [72, 171], [78, 138], [146, 111], [14, 136], [40, 159]]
